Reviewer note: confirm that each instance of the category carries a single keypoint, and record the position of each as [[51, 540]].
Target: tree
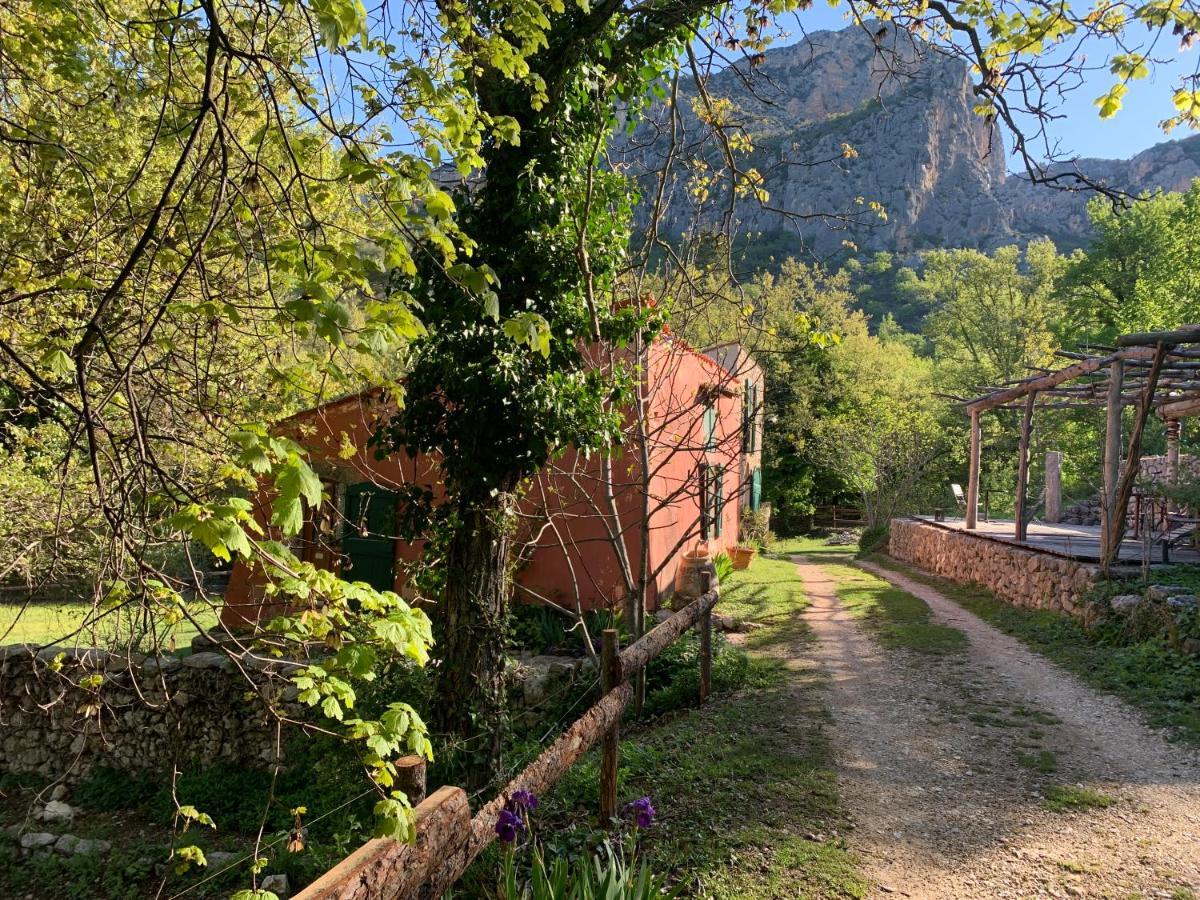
[[1140, 271], [197, 232], [991, 317], [885, 431]]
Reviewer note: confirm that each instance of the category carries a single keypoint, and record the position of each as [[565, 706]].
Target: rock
[[66, 844], [1191, 646], [1123, 604], [59, 792], [88, 846], [56, 811], [1182, 602], [38, 839], [207, 661], [220, 859], [277, 884], [157, 664], [662, 615], [1165, 591]]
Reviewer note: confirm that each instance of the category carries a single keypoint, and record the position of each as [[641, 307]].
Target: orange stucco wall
[[566, 528]]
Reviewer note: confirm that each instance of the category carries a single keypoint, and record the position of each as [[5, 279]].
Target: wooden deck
[[1079, 541]]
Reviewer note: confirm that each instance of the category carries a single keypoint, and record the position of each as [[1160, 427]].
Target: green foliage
[[896, 617], [991, 316], [723, 566], [1139, 271], [123, 874], [1071, 797], [606, 875], [673, 677], [543, 630], [756, 529], [873, 539]]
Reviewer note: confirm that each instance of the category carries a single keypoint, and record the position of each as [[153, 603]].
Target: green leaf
[[57, 362]]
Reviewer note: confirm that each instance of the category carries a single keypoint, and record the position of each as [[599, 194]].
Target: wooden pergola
[[1152, 371]]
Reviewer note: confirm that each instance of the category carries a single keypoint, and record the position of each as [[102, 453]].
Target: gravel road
[[945, 763]]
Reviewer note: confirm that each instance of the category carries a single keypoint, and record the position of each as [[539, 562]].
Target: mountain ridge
[[918, 149]]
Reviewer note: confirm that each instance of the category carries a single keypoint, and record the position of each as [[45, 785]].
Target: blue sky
[[1082, 132]]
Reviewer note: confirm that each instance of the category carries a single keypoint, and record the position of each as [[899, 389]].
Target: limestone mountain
[[837, 125]]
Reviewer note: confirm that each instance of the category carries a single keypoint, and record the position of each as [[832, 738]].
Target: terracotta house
[[686, 468]]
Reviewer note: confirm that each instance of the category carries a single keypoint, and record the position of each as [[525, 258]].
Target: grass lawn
[[50, 623], [744, 787], [896, 618], [1163, 683]]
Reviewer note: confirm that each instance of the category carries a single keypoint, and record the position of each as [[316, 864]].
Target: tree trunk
[[470, 634]]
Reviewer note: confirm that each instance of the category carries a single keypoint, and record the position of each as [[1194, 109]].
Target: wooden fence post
[[610, 677], [705, 641], [410, 777]]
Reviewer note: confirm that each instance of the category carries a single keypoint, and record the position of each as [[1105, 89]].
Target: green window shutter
[[756, 489], [718, 498], [703, 497], [710, 427], [751, 418], [747, 406]]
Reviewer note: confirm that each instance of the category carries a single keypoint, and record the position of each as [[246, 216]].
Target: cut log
[[383, 869]]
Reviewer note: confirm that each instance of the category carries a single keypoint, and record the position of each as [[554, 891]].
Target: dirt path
[[945, 762]]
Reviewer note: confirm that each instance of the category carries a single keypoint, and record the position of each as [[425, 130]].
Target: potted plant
[[742, 556], [755, 534]]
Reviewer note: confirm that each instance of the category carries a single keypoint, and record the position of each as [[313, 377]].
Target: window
[[749, 417], [712, 500], [710, 426]]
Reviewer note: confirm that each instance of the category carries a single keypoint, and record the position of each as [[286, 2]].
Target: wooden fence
[[837, 517], [449, 838]]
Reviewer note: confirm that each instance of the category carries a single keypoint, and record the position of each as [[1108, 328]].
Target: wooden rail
[[449, 838], [837, 517]]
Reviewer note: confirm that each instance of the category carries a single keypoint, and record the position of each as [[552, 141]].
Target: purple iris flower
[[522, 800], [641, 811], [509, 826]]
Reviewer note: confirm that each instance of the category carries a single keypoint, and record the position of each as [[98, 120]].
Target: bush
[[873, 539], [544, 630], [756, 530], [673, 677]]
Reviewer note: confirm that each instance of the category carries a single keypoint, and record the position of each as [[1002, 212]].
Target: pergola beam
[[1042, 382], [1188, 334], [1177, 409]]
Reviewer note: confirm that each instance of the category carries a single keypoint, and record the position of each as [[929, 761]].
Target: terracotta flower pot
[[742, 556]]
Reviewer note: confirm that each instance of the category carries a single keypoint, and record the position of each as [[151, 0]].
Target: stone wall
[[1022, 577], [63, 712]]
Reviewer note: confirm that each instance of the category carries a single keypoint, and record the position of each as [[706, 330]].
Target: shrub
[[873, 539], [544, 630], [756, 530], [673, 677]]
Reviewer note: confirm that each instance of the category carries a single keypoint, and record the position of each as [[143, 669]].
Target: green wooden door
[[369, 543]]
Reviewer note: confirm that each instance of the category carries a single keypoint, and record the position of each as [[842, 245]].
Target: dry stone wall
[[1022, 577], [64, 712]]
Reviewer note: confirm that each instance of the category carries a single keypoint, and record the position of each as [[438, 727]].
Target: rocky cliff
[[918, 149]]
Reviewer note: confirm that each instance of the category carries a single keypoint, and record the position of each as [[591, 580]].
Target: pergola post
[[1112, 453], [1023, 468], [972, 513], [1110, 551], [1173, 434], [1053, 486]]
